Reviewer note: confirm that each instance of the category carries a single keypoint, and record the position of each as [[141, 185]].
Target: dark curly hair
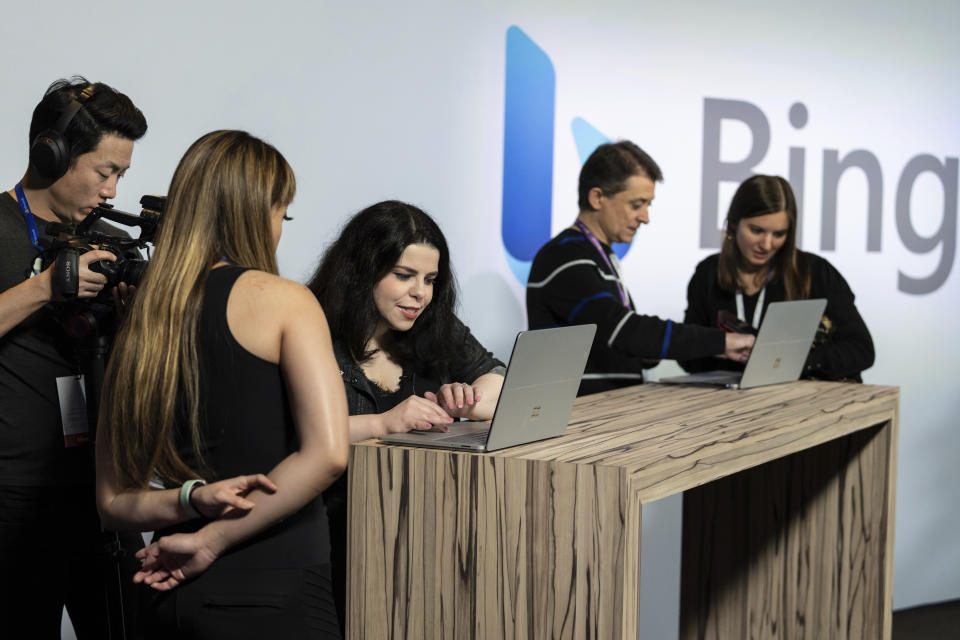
[[369, 246]]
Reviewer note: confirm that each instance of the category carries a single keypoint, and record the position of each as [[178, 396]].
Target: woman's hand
[[457, 398], [122, 298], [173, 559], [227, 498], [415, 413]]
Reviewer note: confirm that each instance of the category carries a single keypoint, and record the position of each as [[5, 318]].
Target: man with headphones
[[81, 142]]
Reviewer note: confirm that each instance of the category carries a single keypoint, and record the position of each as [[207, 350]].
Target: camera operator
[[81, 142]]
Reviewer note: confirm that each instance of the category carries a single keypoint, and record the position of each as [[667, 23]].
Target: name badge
[[73, 410]]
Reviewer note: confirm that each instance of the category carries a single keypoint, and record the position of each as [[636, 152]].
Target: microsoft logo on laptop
[[528, 127]]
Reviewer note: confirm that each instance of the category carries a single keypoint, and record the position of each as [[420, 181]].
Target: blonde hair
[[218, 207]]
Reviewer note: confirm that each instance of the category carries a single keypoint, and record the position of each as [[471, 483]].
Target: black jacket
[[842, 348], [473, 362]]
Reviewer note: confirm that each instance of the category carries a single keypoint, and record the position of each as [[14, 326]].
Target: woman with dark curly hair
[[407, 362]]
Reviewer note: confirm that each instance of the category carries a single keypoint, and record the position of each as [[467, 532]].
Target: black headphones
[[50, 151]]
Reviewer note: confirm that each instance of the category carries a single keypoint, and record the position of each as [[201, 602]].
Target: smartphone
[[729, 322]]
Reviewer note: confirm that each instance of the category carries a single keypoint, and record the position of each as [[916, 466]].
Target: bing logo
[[528, 127], [528, 143]]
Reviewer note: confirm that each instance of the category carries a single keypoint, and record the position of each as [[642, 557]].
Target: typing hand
[[416, 413], [456, 398]]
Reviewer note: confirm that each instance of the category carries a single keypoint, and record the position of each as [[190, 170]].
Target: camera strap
[[31, 222]]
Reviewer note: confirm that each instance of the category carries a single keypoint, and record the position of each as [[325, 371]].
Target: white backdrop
[[403, 101]]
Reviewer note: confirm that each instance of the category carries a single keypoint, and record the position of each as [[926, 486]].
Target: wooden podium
[[787, 520]]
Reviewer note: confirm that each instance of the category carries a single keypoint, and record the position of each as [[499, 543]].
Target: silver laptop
[[779, 353], [536, 399]]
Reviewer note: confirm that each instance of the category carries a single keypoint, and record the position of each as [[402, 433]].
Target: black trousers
[[234, 604], [52, 554]]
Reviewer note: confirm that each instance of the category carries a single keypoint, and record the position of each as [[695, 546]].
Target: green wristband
[[185, 492]]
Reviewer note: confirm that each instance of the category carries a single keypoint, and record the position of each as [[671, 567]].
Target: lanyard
[[624, 298], [28, 216], [31, 222], [756, 312]]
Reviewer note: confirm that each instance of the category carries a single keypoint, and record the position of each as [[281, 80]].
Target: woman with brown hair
[[225, 372], [759, 263]]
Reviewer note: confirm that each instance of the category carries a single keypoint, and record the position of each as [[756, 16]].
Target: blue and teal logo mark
[[528, 127]]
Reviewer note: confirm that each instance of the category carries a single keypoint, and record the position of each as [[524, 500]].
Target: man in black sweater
[[81, 141], [576, 279]]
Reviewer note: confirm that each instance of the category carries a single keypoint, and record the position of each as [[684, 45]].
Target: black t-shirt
[[32, 356]]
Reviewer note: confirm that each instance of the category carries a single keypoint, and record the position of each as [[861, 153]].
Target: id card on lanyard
[[71, 391]]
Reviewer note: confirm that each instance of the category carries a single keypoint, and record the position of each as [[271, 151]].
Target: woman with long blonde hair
[[223, 415]]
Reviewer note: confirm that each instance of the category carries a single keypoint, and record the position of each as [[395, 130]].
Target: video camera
[[67, 242]]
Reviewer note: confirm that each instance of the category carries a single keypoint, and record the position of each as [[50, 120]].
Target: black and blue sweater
[[571, 284]]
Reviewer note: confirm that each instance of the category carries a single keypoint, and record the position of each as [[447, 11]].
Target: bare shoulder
[[273, 295], [263, 306]]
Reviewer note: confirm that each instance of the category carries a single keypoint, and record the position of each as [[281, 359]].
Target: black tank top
[[248, 427]]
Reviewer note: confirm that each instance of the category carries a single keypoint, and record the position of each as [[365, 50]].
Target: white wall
[[403, 101]]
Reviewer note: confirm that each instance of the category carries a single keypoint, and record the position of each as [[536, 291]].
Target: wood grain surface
[[788, 520], [794, 548]]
